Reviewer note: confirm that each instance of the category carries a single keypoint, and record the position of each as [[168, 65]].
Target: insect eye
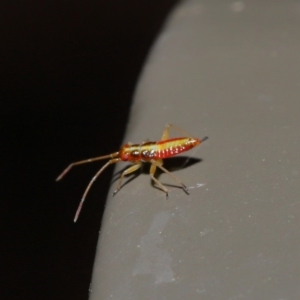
[[125, 156]]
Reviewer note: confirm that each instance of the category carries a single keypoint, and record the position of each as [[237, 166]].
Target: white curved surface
[[229, 70]]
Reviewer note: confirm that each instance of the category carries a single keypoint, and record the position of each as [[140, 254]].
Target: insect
[[152, 152]]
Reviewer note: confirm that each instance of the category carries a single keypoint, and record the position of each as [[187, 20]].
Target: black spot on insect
[[135, 153], [145, 154]]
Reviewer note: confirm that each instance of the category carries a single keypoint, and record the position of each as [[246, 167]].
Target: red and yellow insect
[[152, 152]]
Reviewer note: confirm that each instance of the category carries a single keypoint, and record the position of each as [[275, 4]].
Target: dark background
[[68, 70]]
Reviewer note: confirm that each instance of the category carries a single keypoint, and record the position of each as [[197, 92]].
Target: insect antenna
[[112, 161], [81, 162]]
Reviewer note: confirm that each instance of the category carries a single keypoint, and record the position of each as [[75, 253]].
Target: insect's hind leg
[[152, 171], [158, 164], [126, 172], [166, 131]]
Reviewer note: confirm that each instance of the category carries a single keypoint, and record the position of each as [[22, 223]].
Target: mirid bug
[[152, 152]]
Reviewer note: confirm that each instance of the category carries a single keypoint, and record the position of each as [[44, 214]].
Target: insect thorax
[[136, 152]]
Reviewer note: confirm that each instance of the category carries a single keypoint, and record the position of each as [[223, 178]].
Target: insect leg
[[167, 130], [126, 172], [113, 155], [158, 163], [112, 161], [152, 171]]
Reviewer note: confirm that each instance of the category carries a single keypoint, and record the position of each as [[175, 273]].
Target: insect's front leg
[[126, 172]]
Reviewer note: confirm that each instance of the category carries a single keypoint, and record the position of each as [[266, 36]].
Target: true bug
[[152, 152]]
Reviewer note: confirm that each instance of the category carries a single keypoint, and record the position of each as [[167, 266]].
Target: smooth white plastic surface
[[229, 70]]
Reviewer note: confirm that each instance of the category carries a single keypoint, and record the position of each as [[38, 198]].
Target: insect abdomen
[[175, 146]]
